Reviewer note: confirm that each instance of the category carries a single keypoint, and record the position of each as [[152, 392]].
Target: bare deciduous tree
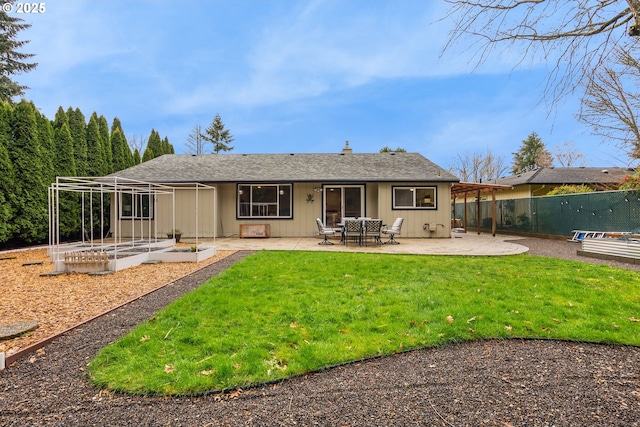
[[494, 167], [137, 143], [612, 102], [544, 159], [567, 155], [576, 36], [476, 167], [195, 141]]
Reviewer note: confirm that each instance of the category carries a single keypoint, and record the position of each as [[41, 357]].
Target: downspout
[[533, 193]]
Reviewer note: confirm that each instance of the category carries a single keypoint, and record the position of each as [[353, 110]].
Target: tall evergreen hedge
[[6, 174], [30, 220], [34, 151]]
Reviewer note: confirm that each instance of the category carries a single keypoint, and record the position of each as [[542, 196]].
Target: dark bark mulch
[[501, 383]]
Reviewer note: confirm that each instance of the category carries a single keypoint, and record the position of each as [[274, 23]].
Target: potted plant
[[175, 234]]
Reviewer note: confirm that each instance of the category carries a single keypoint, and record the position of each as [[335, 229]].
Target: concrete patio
[[459, 244]]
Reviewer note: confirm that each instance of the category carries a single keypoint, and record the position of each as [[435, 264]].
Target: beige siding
[[304, 213], [377, 205], [522, 192], [187, 203], [415, 219], [372, 207], [193, 211]]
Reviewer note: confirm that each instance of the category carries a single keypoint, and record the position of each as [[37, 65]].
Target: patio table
[[342, 225]]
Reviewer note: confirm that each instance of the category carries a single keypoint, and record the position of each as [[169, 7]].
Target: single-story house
[[287, 192], [539, 182]]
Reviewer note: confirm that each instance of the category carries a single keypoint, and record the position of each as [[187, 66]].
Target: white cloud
[[73, 33], [275, 67], [323, 47], [286, 53]]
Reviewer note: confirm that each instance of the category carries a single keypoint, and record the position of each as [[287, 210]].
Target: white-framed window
[[265, 201], [414, 198], [136, 206]]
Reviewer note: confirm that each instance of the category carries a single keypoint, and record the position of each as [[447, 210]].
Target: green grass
[[278, 314]]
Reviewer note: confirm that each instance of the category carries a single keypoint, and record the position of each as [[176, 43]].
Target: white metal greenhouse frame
[[93, 191]]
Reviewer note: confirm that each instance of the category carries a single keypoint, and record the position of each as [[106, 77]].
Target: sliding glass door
[[342, 201]]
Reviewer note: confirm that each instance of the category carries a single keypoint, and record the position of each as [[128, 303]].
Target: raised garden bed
[[84, 258], [622, 248], [184, 254]]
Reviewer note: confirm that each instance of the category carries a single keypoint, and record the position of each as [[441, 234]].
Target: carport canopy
[[462, 189]]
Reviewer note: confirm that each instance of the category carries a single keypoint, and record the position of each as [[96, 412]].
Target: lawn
[[278, 314]]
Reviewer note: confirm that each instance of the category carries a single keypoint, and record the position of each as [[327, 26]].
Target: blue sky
[[294, 76]]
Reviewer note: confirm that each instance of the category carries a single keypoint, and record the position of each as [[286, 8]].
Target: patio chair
[[391, 232], [326, 232], [371, 230], [352, 229]]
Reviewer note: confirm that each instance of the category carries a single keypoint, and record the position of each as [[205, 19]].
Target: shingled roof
[[560, 176], [350, 167]]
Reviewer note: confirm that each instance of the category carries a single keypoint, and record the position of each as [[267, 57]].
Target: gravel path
[[492, 383], [567, 250]]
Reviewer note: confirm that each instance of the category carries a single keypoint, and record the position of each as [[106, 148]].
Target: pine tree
[[116, 125], [117, 152], [148, 154], [217, 135], [123, 149], [30, 219], [64, 159], [12, 61], [107, 155], [136, 157], [128, 154], [387, 149], [45, 136], [532, 155], [6, 175], [166, 146], [96, 166], [154, 146], [78, 129], [107, 152], [118, 143], [64, 162], [60, 118]]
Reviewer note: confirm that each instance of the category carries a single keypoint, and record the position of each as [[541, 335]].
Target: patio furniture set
[[361, 231]]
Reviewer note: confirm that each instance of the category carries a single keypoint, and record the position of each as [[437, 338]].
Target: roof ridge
[[303, 167], [535, 173]]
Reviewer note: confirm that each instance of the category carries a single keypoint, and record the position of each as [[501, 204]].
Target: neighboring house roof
[[603, 176], [350, 167]]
